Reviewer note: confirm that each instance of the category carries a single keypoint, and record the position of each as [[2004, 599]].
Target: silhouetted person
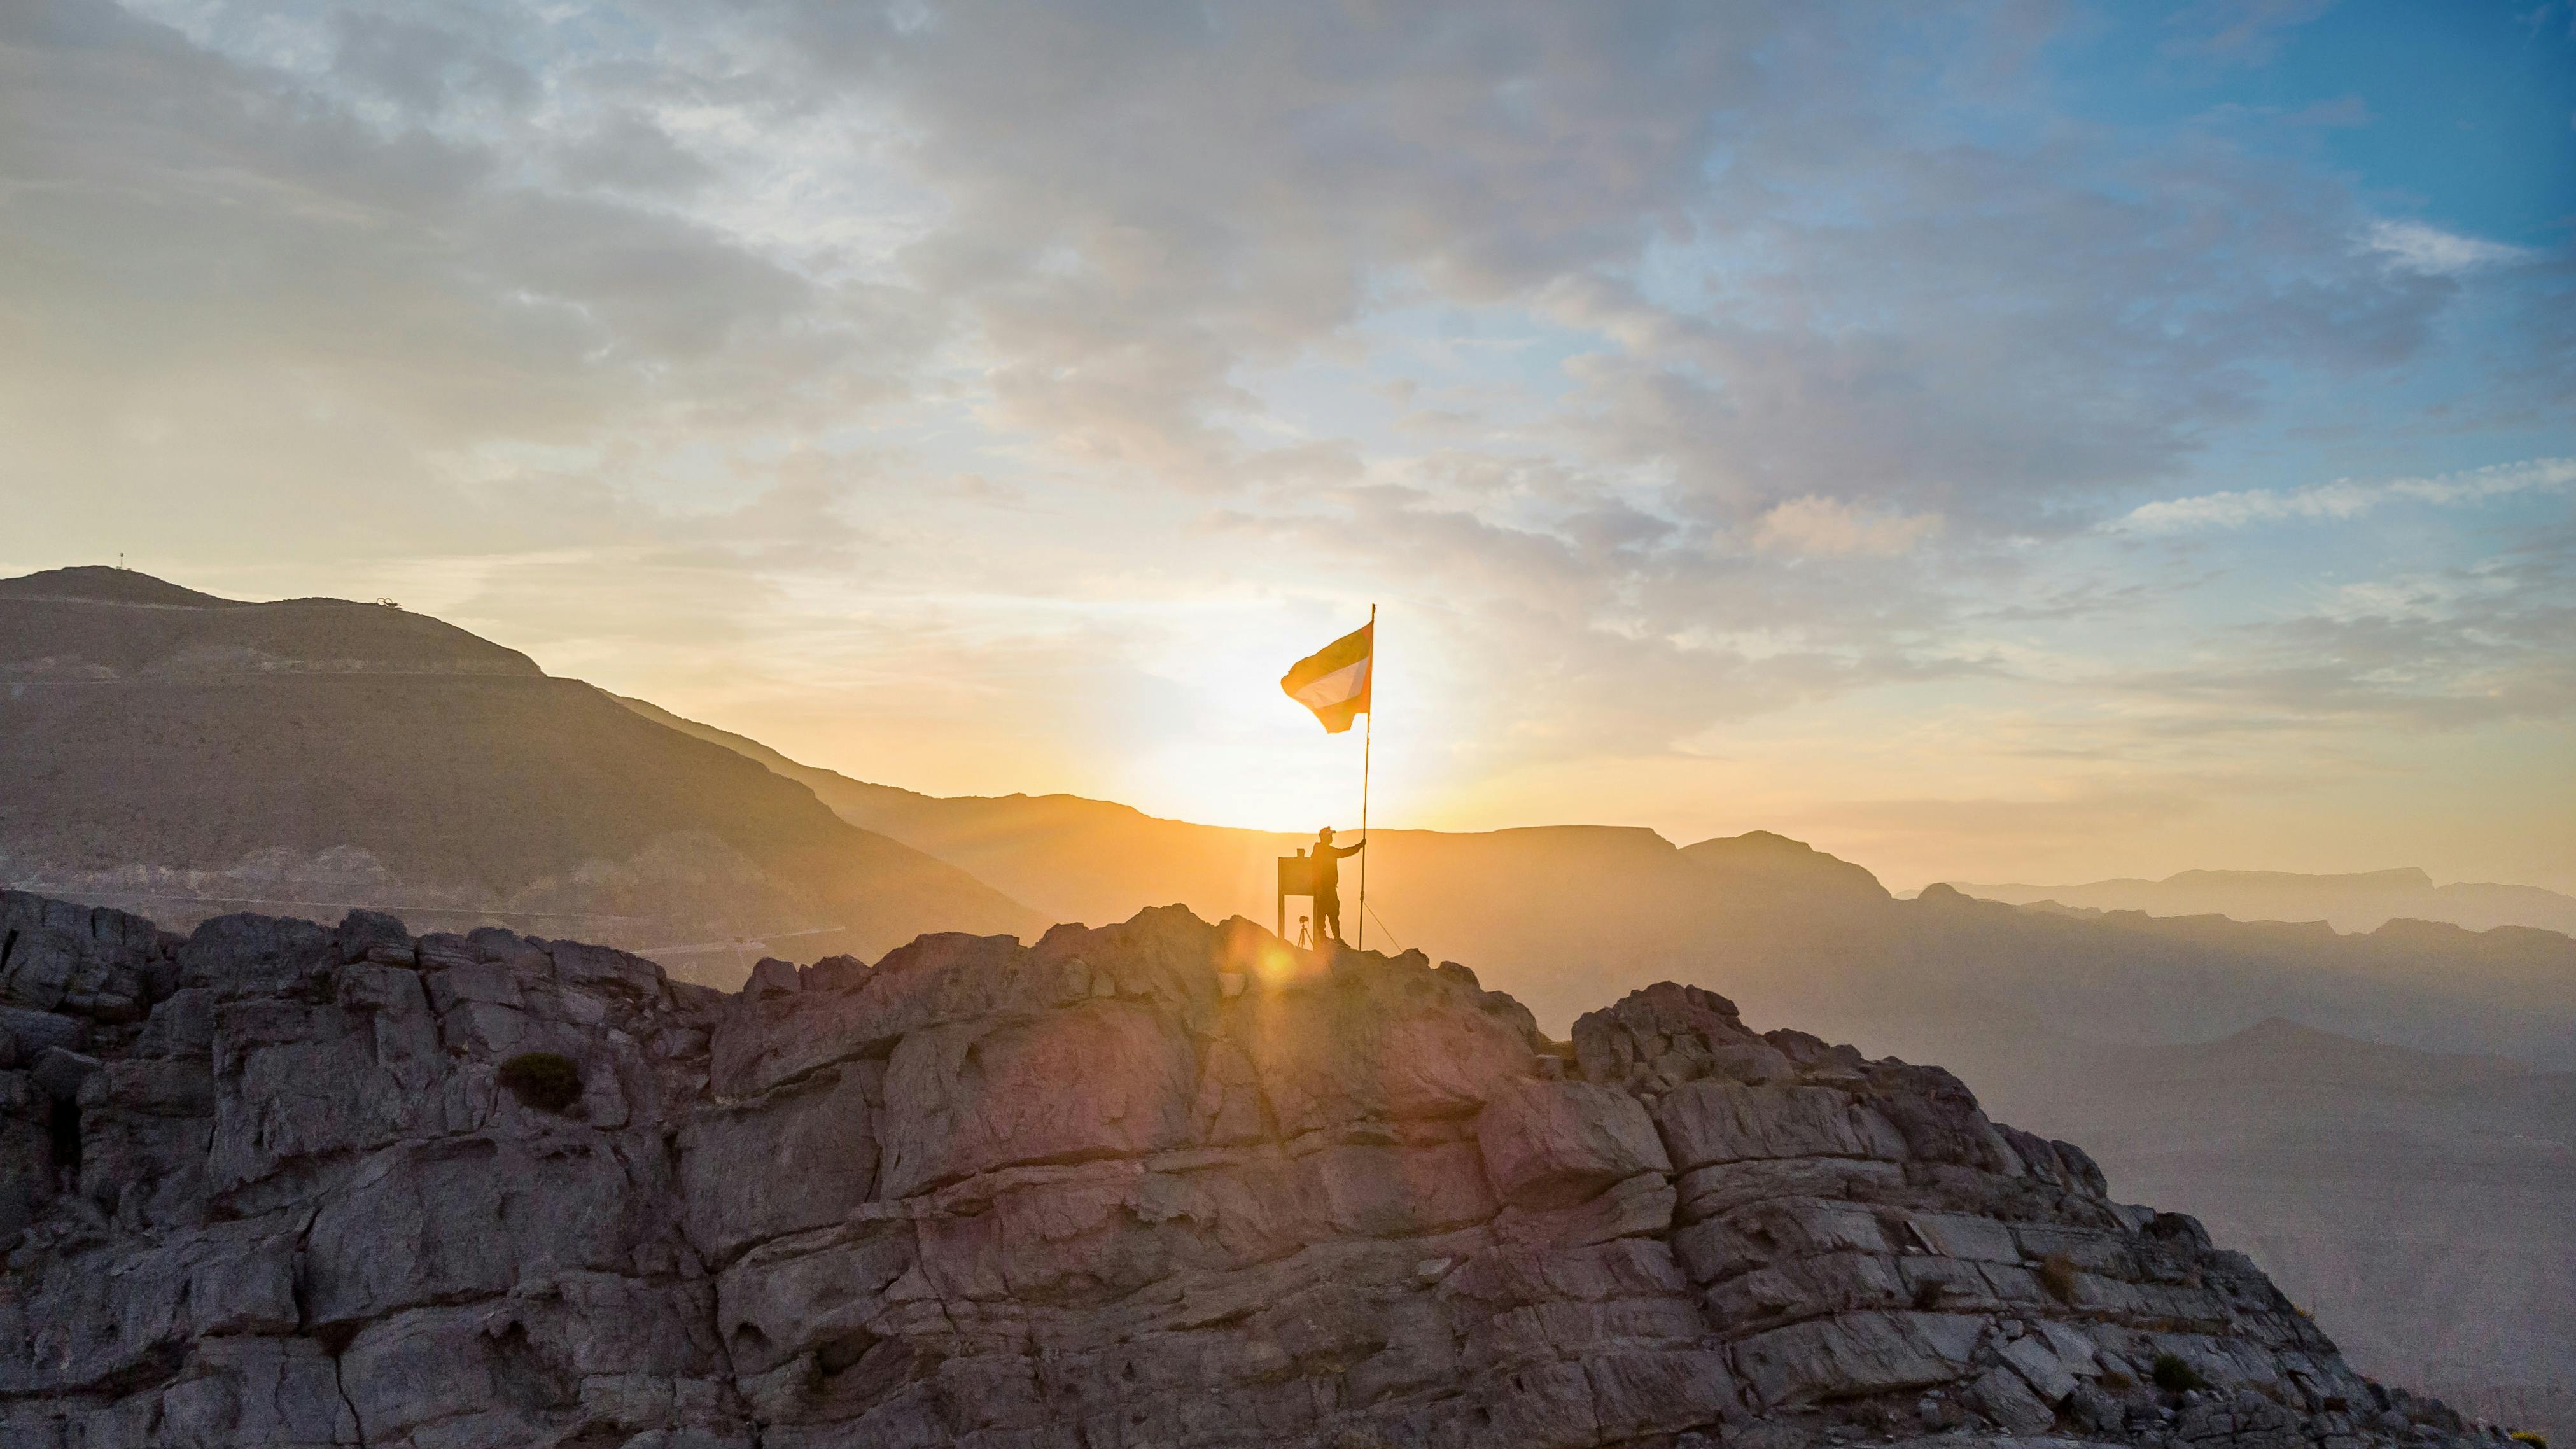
[[1328, 882]]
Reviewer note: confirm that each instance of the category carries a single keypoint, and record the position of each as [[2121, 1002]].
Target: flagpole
[[1368, 746]]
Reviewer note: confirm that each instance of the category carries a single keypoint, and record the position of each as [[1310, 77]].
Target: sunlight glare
[[1237, 750]]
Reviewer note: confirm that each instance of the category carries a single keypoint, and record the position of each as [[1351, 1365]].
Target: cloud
[[2416, 650], [244, 310], [2091, 814], [1143, 207], [1934, 323], [2417, 247], [2239, 32], [1100, 236], [829, 348], [2344, 498], [2343, 112], [1823, 526]]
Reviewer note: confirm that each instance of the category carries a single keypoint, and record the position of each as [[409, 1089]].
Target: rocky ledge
[[1164, 1183]]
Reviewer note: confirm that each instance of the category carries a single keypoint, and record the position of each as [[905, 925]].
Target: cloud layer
[[2347, 498], [1676, 374]]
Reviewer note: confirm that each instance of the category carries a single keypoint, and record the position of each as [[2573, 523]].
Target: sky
[[2004, 441]]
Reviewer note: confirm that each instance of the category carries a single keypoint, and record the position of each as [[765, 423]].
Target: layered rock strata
[[1160, 1184]]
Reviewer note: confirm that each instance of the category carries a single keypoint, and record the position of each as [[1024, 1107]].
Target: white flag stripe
[[1332, 689]]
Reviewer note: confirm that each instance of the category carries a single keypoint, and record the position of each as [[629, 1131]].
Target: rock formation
[[1164, 1183]]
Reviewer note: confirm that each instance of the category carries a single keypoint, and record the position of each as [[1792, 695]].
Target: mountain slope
[[1559, 914], [2416, 1200], [1164, 1183], [1070, 858], [2360, 902], [168, 748], [112, 624], [1555, 914]]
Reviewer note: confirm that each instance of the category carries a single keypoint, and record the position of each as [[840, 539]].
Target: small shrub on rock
[[547, 1081], [2057, 1275], [2527, 1437], [2174, 1376]]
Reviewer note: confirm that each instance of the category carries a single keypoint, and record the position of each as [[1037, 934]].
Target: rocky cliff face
[[1163, 1183]]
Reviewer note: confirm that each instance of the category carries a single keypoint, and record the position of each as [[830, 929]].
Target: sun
[[1228, 747]]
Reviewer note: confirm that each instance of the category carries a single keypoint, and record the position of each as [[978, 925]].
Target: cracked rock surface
[[1163, 1183]]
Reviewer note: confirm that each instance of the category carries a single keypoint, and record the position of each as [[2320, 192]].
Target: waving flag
[[1334, 680]]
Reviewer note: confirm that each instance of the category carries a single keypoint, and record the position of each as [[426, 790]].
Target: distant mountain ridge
[[186, 754], [1097, 860], [2362, 901], [103, 624], [1554, 913]]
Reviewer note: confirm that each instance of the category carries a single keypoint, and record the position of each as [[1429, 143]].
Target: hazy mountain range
[[184, 755], [2358, 902], [189, 755], [1556, 914], [2417, 1202]]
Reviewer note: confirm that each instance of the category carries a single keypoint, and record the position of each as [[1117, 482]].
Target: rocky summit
[[1164, 1183]]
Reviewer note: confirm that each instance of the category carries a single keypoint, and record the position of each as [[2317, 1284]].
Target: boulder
[[2007, 1398], [805, 1157], [83, 961], [2038, 1364], [1666, 1034], [1715, 1120], [60, 1074], [372, 936], [1380, 1046], [772, 977], [182, 1025], [33, 1031], [1104, 1078], [1554, 1144], [1855, 1353]]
